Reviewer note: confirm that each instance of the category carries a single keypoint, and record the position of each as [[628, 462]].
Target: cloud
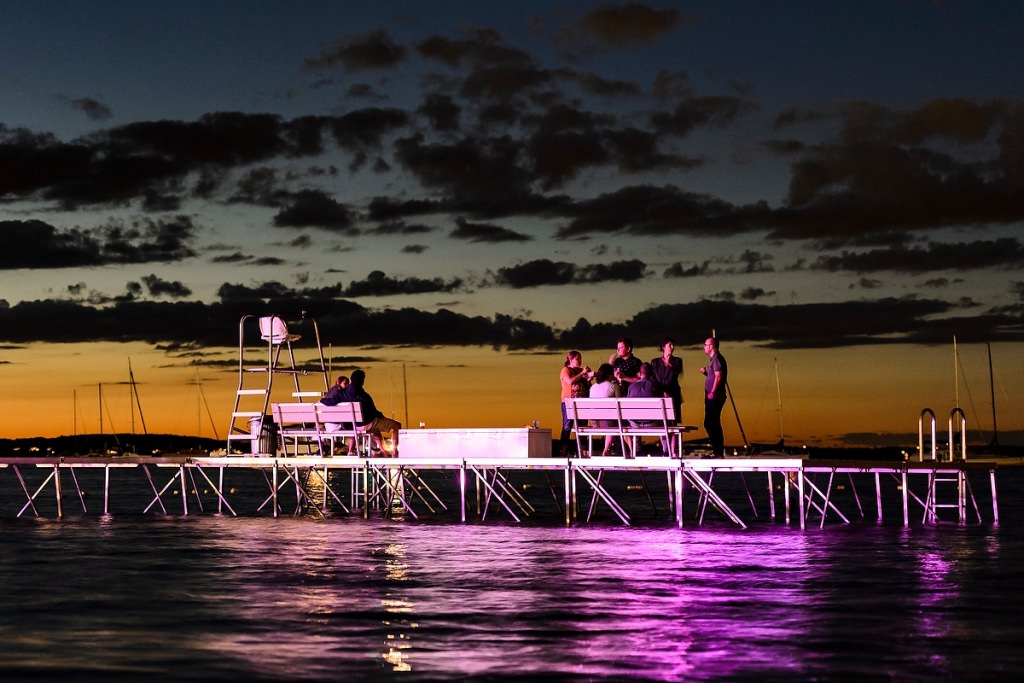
[[615, 26], [1006, 252], [546, 272], [159, 287], [375, 50], [94, 109], [483, 232], [694, 112], [648, 210], [314, 208], [627, 24], [735, 317], [34, 244], [377, 283]]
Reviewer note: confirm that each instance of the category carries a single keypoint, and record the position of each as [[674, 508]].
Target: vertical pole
[[878, 495], [771, 497], [462, 489], [184, 490], [995, 499], [568, 487], [788, 484], [273, 495], [220, 487], [800, 492], [906, 511], [961, 490], [679, 494], [106, 489], [56, 486]]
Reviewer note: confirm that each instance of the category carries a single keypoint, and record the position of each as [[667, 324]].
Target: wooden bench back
[[315, 415], [615, 409], [343, 413], [293, 414]]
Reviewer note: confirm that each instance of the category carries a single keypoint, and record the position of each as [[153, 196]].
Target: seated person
[[334, 396], [646, 387], [374, 421], [604, 386]]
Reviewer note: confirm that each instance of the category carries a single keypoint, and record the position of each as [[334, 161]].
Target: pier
[[738, 491]]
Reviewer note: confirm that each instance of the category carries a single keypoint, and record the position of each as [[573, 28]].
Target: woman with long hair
[[575, 379]]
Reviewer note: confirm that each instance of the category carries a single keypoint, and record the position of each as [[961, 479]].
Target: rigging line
[[138, 401], [209, 414], [110, 419], [1005, 396], [970, 397], [760, 405]]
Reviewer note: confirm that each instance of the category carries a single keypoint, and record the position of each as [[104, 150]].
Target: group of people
[[346, 390], [625, 375]]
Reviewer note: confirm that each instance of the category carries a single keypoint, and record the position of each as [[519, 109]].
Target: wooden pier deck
[[792, 490]]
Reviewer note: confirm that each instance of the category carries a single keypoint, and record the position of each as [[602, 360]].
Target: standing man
[[626, 365], [716, 372]]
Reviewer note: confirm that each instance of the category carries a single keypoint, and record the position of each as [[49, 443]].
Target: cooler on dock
[[522, 442]]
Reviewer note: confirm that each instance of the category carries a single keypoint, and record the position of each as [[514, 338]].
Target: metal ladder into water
[[938, 482]]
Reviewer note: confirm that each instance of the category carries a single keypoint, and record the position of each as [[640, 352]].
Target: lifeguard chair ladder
[[251, 411]]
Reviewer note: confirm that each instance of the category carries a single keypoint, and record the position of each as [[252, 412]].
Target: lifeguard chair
[[251, 422]]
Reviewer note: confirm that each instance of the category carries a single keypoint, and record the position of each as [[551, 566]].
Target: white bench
[[315, 423], [626, 418]]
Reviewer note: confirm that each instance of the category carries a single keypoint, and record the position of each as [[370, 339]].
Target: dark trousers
[[713, 423]]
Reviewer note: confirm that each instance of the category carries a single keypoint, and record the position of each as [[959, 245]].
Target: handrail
[[920, 435], [963, 434]]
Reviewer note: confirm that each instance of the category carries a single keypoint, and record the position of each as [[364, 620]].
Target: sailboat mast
[[992, 393], [956, 374], [778, 391], [405, 393], [138, 402]]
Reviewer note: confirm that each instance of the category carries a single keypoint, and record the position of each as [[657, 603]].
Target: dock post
[[56, 486], [800, 492], [462, 489], [273, 495], [906, 510], [995, 500], [568, 498], [184, 490], [106, 489], [679, 494], [878, 495]]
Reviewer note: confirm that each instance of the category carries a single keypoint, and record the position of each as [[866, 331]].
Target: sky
[[460, 192]]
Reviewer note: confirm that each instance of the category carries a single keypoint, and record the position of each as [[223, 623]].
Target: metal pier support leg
[[679, 494], [800, 490], [962, 497], [878, 495], [906, 510], [568, 494], [788, 481], [106, 489], [995, 499], [56, 486], [771, 495], [184, 490], [462, 489], [220, 487], [273, 496]]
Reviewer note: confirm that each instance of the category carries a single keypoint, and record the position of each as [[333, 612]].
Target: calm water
[[127, 597]]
